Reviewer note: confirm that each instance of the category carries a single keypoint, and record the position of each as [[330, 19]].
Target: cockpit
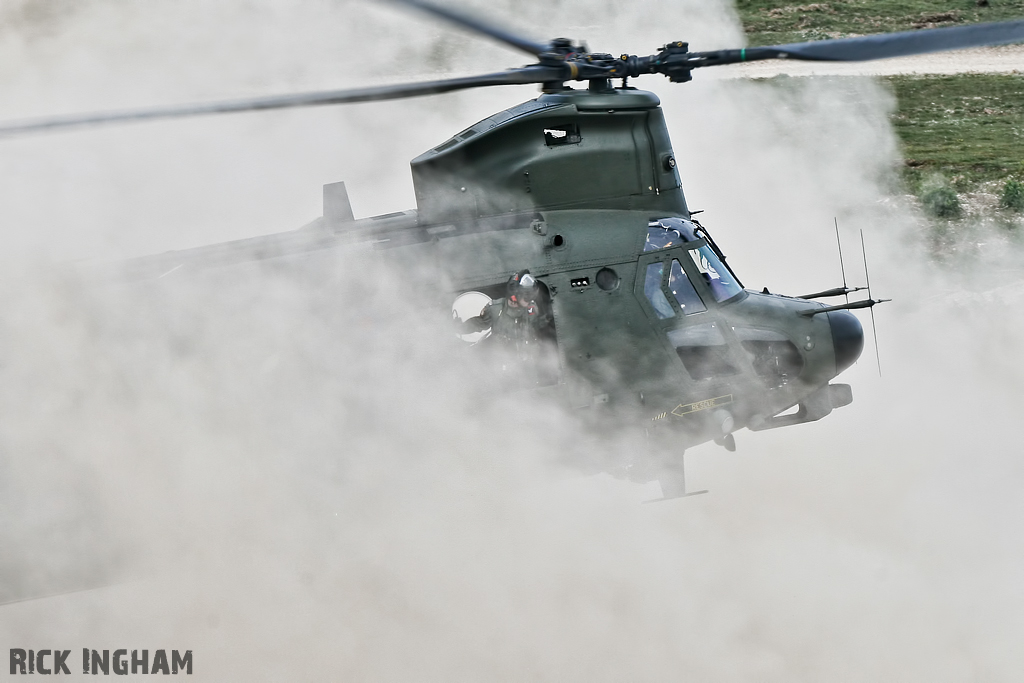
[[665, 233], [683, 273]]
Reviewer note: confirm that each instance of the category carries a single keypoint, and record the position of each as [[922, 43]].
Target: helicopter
[[631, 308]]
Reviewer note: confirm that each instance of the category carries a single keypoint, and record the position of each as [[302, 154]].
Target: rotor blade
[[525, 75], [881, 46], [478, 26], [907, 42]]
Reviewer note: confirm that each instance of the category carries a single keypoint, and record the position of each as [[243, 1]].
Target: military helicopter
[[562, 226]]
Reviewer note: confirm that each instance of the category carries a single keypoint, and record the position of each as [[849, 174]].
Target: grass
[[941, 200], [771, 22], [1012, 197], [965, 129], [968, 128]]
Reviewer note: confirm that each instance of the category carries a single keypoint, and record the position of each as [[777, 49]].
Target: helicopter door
[[669, 297]]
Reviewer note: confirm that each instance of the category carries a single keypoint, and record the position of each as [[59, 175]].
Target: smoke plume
[[293, 472]]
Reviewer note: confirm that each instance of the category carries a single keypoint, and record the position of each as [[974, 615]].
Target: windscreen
[[718, 278]]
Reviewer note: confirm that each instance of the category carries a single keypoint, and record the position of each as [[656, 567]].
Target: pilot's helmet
[[522, 288]]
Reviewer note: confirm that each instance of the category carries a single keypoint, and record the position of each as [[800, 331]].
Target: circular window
[[607, 279], [467, 306]]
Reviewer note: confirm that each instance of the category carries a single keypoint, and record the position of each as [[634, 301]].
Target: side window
[[654, 293], [568, 134], [703, 350], [683, 290], [775, 358]]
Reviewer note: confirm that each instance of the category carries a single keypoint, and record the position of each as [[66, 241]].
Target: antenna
[[867, 278], [835, 291], [842, 268]]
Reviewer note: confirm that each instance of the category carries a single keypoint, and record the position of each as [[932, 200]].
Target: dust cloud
[[285, 471]]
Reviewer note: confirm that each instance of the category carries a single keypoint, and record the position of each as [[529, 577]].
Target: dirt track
[[1005, 59]]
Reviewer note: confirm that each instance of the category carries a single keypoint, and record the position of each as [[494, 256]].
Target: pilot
[[522, 292], [525, 310], [519, 316], [521, 322]]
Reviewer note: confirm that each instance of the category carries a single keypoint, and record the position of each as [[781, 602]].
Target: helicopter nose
[[847, 338]]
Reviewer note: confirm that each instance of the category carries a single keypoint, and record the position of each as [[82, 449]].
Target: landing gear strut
[[672, 478]]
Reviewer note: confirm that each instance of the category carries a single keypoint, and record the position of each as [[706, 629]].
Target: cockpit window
[[775, 358], [664, 233], [668, 232], [703, 350], [652, 288], [685, 295], [684, 292], [719, 279]]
